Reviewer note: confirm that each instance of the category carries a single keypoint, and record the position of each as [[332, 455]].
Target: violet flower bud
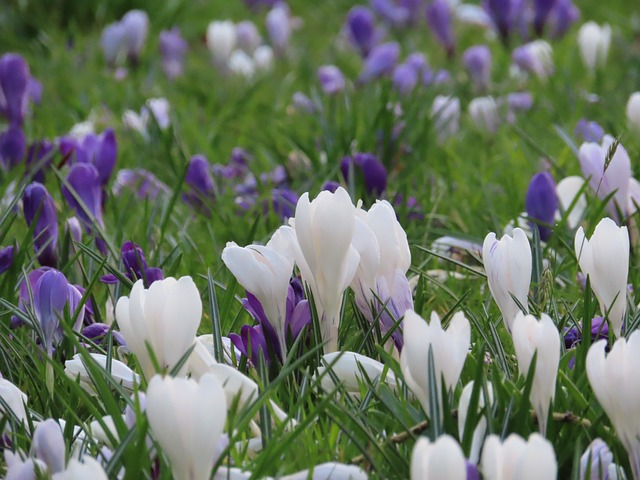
[[97, 332], [331, 79], [247, 36], [361, 29], [374, 172], [440, 21], [405, 78], [284, 202], [542, 203], [201, 188], [136, 26], [278, 28], [380, 61], [502, 14], [252, 344], [303, 103], [13, 147], [135, 266], [112, 42], [48, 445], [14, 87], [330, 186], [173, 49], [542, 9], [38, 206], [562, 16], [6, 258], [393, 14], [104, 156], [477, 61], [587, 131], [144, 183]]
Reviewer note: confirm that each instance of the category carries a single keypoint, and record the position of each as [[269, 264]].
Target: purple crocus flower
[[374, 172], [83, 193], [6, 258], [380, 61], [97, 332], [504, 13], [39, 157], [99, 150], [135, 266], [13, 147], [472, 471], [247, 36], [173, 49], [330, 186], [303, 103], [38, 206], [361, 29], [238, 166], [542, 9], [284, 202], [51, 295], [440, 21], [599, 330], [542, 203], [144, 183], [201, 188], [14, 87], [405, 78], [252, 343], [477, 61], [562, 16], [587, 131], [279, 28], [395, 15], [331, 79], [297, 318]]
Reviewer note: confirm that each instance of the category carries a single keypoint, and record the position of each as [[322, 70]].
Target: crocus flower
[[321, 246], [279, 28], [484, 114], [516, 102], [616, 386], [144, 183], [112, 43], [531, 336], [380, 61], [283, 202], [221, 41], [542, 10], [347, 368], [596, 462], [570, 191], [51, 295], [481, 427], [135, 266], [508, 264], [587, 131], [441, 459], [330, 186], [542, 203], [87, 468], [136, 26], [247, 36], [13, 147], [48, 445], [15, 401], [265, 273], [381, 288], [405, 78], [83, 193], [393, 14], [449, 348], [263, 58], [440, 19], [361, 29], [14, 87], [6, 258], [101, 151], [503, 13], [599, 330], [633, 111], [331, 79], [562, 16], [121, 373], [97, 332], [148, 316], [605, 260], [173, 49], [514, 458], [241, 64], [373, 171], [445, 113], [182, 407], [477, 61], [39, 156], [201, 188], [38, 206], [594, 42], [535, 58]]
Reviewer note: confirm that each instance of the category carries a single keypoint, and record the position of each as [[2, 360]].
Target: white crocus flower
[[348, 368], [440, 459], [321, 245], [531, 336], [82, 470], [633, 111], [605, 260], [221, 40], [164, 318], [122, 374], [508, 264], [15, 399], [265, 273], [594, 42], [484, 114], [515, 459], [463, 411], [449, 347], [615, 382]]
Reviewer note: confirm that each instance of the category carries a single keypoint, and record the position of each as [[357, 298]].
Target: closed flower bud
[[247, 36], [477, 61], [605, 260], [331, 79], [440, 459], [445, 113], [440, 22], [122, 374], [535, 58], [542, 203], [481, 427], [380, 61], [13, 147], [38, 206], [48, 445], [166, 317], [221, 40], [15, 400], [531, 336], [279, 28], [633, 112], [347, 368], [484, 114], [515, 459], [82, 470], [508, 264], [361, 29], [594, 41]]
